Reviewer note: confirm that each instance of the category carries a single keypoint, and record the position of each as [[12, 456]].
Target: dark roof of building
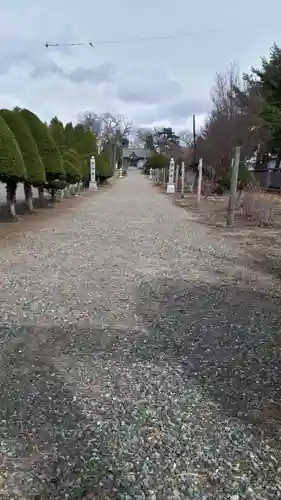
[[140, 152]]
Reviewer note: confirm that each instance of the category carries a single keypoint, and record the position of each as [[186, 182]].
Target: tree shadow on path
[[46, 438], [227, 337]]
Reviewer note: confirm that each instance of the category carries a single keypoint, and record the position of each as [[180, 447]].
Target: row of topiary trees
[[48, 157]]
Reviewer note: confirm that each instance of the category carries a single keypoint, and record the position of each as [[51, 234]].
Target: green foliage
[[73, 158], [103, 169], [58, 133], [12, 167], [84, 141], [149, 142], [46, 145], [72, 174], [69, 135], [245, 178], [33, 163], [157, 160], [270, 87], [167, 134]]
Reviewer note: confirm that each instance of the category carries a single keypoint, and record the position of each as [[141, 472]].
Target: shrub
[[33, 163], [103, 169], [245, 178], [46, 145], [157, 160]]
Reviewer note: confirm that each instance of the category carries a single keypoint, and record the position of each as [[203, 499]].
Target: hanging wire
[[137, 40], [47, 45]]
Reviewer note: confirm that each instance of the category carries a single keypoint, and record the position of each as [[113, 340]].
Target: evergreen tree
[[58, 133], [33, 163], [12, 167], [269, 76], [46, 145]]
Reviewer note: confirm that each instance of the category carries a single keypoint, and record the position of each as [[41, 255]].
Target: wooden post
[[233, 187], [199, 183], [182, 179]]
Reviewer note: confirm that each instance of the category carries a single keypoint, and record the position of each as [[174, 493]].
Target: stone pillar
[[182, 178], [120, 173], [171, 182], [93, 182], [150, 173]]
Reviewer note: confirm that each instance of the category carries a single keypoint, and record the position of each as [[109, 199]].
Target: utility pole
[[233, 187], [194, 139]]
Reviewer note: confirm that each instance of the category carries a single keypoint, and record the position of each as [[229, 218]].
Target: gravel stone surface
[[140, 358]]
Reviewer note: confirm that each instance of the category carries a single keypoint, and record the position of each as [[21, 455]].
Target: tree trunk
[[53, 195], [28, 196], [11, 189], [41, 195]]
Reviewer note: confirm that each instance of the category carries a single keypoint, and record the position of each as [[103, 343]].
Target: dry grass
[[257, 225]]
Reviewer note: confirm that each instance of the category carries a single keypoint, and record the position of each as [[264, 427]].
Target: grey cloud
[[39, 59], [180, 110], [22, 53], [177, 112], [99, 74], [148, 89]]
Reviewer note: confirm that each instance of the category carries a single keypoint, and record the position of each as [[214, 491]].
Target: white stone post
[[120, 173], [150, 173], [171, 183], [177, 177], [93, 182], [182, 178], [198, 194]]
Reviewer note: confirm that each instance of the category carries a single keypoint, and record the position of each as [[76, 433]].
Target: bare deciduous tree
[[186, 138], [234, 120], [106, 125]]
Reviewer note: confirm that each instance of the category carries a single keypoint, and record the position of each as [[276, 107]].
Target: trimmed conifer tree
[[12, 167], [47, 148], [36, 175]]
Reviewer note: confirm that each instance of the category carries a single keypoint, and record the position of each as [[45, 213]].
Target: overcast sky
[[162, 81]]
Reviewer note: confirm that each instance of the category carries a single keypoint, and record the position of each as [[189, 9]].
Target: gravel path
[[140, 359]]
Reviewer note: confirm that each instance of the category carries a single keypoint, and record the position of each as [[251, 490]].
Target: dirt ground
[[261, 243], [11, 228]]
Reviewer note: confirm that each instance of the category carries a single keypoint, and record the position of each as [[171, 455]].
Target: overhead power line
[[138, 39], [47, 45], [155, 38]]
